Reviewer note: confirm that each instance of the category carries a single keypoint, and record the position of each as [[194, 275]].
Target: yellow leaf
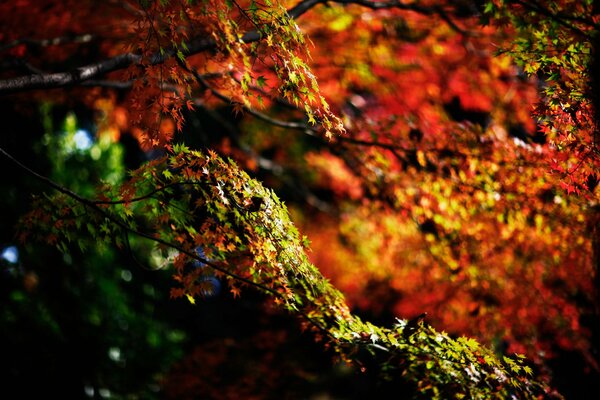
[[190, 299], [421, 158]]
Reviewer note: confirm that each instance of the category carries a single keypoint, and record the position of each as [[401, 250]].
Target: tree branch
[[57, 41], [91, 71], [558, 17], [197, 45], [61, 79], [126, 228]]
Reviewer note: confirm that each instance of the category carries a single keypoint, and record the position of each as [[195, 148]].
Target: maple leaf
[[442, 171], [190, 298], [235, 291]]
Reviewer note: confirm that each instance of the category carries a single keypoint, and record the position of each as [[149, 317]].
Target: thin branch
[[416, 7], [61, 79], [57, 41], [109, 84], [245, 14], [91, 71], [444, 15], [145, 196], [536, 7], [257, 114], [126, 228], [383, 5], [559, 15], [133, 257], [300, 126], [47, 181], [124, 85]]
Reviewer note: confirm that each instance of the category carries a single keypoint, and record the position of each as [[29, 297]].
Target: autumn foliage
[[416, 182]]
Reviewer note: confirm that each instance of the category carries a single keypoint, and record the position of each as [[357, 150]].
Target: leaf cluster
[[218, 219]]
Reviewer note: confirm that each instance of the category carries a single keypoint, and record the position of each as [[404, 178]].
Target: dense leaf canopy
[[439, 158]]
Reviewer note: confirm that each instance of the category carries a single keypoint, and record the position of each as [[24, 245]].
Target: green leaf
[[261, 81]]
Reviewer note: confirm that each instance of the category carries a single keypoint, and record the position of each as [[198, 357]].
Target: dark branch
[[197, 45], [57, 41], [61, 79], [91, 71], [560, 18], [127, 228]]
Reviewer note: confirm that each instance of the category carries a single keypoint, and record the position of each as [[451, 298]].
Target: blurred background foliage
[[77, 323]]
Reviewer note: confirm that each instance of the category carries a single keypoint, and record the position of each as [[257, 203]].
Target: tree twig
[[126, 228]]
